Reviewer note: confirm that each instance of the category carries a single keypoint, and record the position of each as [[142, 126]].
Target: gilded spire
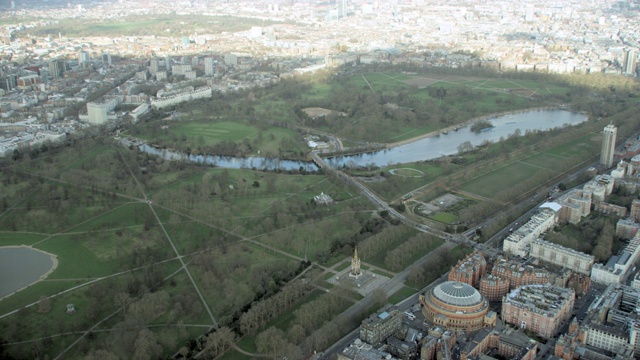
[[355, 265]]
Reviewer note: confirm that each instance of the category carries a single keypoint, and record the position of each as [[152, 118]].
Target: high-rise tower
[[342, 8], [154, 65], [83, 58], [56, 68], [167, 62], [106, 58], [608, 145], [630, 60], [209, 66]]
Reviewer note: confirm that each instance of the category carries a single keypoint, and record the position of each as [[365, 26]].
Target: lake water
[[21, 267], [231, 162], [436, 146], [428, 148]]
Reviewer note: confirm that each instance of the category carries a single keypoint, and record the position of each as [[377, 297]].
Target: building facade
[[518, 274], [608, 145], [635, 210], [542, 309], [378, 327], [209, 66], [97, 110], [627, 228], [517, 243], [559, 255], [607, 338], [199, 93], [469, 270], [619, 266], [493, 288]]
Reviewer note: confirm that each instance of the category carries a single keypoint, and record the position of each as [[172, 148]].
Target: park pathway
[[173, 246]]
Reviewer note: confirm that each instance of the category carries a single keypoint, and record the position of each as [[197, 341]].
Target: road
[[397, 282], [373, 197], [403, 306]]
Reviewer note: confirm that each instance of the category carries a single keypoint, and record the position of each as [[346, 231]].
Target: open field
[[401, 294], [399, 182], [547, 162], [150, 25], [206, 136], [445, 217], [590, 143], [490, 184]]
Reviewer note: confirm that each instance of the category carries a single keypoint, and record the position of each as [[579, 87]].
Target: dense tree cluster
[[402, 256], [440, 261], [263, 311], [594, 235]]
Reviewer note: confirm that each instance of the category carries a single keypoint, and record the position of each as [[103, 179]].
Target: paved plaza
[[366, 283]]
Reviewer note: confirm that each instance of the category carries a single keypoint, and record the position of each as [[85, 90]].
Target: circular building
[[455, 305]]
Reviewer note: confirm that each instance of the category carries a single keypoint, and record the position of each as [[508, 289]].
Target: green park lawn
[[490, 184], [199, 134], [16, 239], [546, 160], [589, 144], [401, 294], [405, 181], [119, 217], [76, 259], [444, 217], [151, 25]]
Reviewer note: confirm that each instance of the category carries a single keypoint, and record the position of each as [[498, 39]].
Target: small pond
[[21, 266]]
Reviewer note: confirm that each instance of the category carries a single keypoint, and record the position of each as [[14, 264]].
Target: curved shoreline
[[54, 265], [469, 122]]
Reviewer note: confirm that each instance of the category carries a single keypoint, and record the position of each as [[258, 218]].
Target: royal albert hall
[[455, 305]]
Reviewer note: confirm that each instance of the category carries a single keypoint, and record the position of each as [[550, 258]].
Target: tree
[[101, 355], [270, 341], [218, 341], [296, 333], [147, 346], [464, 147]]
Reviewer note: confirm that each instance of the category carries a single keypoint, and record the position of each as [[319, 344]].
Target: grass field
[[396, 186], [488, 185], [445, 217], [150, 25], [401, 294], [590, 143], [199, 134], [549, 162]]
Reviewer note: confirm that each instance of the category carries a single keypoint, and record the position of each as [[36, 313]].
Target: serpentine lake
[[433, 147], [426, 148]]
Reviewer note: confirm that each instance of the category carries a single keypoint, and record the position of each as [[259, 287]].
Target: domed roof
[[457, 294]]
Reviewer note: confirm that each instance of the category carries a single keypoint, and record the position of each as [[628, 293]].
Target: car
[[409, 315]]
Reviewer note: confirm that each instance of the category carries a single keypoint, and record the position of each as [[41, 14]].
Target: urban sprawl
[[529, 299]]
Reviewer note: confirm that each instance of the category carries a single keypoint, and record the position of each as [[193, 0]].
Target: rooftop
[[543, 299], [457, 293]]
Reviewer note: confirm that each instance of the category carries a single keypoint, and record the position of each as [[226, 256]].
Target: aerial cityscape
[[319, 179]]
